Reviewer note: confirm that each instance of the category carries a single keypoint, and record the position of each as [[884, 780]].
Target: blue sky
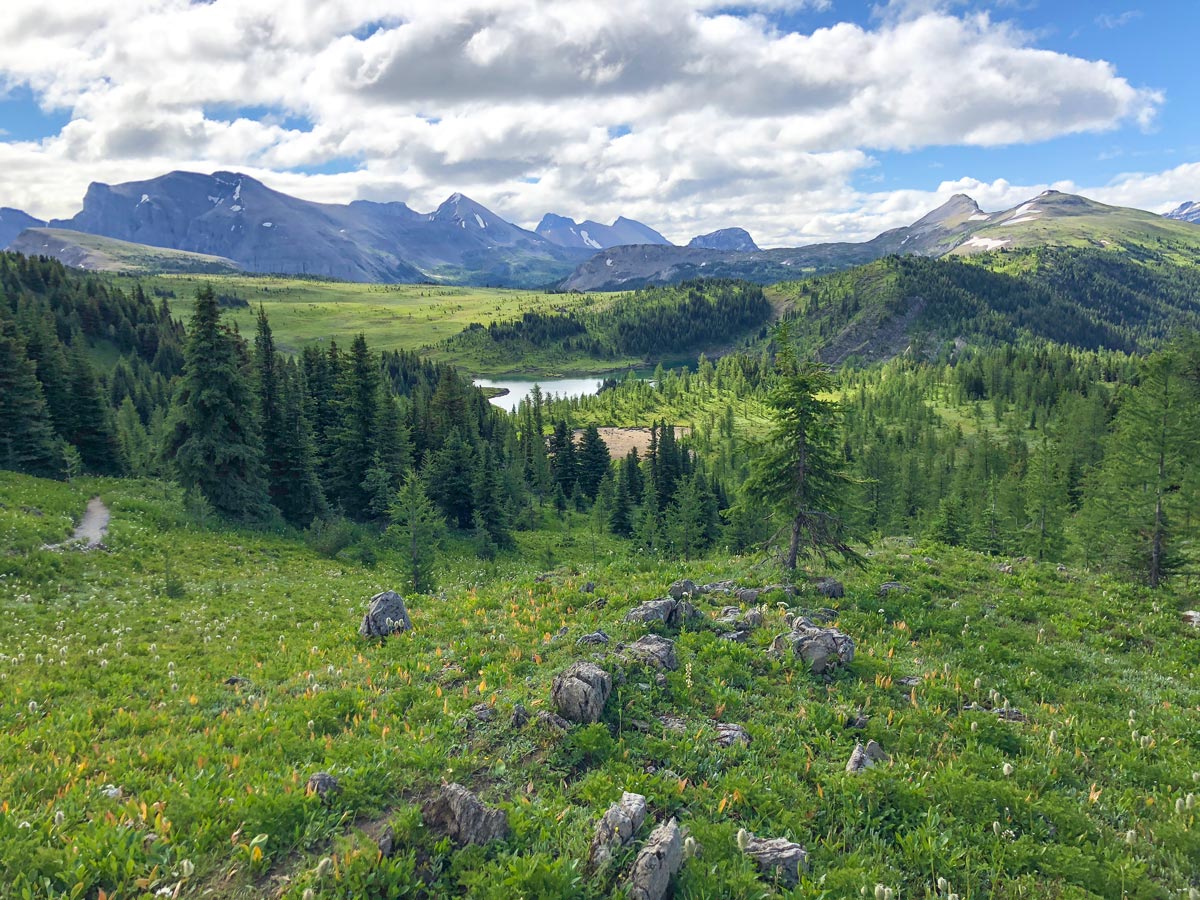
[[798, 119]]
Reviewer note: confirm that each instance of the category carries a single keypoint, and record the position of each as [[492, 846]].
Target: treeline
[[58, 415], [673, 321], [1091, 299]]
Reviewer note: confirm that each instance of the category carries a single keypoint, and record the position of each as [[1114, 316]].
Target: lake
[[520, 388]]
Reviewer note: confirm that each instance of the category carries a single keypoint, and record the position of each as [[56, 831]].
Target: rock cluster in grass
[[652, 651], [668, 611], [777, 858], [863, 758]]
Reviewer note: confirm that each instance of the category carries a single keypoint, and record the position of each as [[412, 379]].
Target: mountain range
[[230, 221]]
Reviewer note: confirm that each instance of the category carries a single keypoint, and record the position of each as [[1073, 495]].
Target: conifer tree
[[593, 461], [353, 443], [798, 474], [92, 431], [27, 441], [212, 441], [416, 530], [562, 456]]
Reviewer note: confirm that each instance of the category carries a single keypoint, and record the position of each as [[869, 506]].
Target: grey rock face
[[456, 812], [671, 612], [580, 691], [386, 615], [729, 240], [777, 858], [653, 651], [683, 588], [863, 758], [659, 860], [616, 828], [823, 649]]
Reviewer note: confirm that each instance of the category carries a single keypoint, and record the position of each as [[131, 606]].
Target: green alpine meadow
[[566, 450]]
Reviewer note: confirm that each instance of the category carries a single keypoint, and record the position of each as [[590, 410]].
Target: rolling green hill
[[96, 253]]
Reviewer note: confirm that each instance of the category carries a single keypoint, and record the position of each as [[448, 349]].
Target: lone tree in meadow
[[213, 441], [798, 476]]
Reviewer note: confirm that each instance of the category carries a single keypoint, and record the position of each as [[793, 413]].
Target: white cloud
[[516, 102]]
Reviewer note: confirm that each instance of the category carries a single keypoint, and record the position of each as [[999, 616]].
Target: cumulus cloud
[[674, 111]]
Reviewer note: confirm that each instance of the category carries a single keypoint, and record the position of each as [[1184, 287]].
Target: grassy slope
[[107, 682], [400, 316], [104, 254]]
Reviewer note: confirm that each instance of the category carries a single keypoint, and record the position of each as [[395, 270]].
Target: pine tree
[[448, 472], [1145, 488], [304, 499], [685, 521], [416, 529], [92, 431], [487, 488], [798, 473], [353, 443], [270, 414], [27, 441], [593, 461], [562, 457], [620, 519], [212, 441]]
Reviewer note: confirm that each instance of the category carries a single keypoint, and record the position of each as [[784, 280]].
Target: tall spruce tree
[[416, 530], [354, 440], [27, 441], [212, 442], [593, 461], [798, 473]]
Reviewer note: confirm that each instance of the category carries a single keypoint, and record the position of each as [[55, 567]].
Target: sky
[[799, 120]]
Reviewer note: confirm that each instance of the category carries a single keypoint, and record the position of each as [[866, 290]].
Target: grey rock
[[685, 587], [823, 649], [909, 680], [738, 637], [237, 681], [718, 587], [673, 723], [732, 617], [1005, 713], [520, 716], [671, 612], [653, 651], [323, 785], [386, 842], [483, 712], [889, 586], [657, 863], [858, 720], [616, 829], [456, 812], [552, 721], [831, 588], [777, 858], [386, 615], [589, 587], [863, 758], [746, 595], [580, 691], [729, 734], [594, 638]]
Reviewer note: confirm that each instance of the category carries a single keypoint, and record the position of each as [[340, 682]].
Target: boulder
[[386, 615], [717, 587], [580, 691], [746, 595], [653, 651], [732, 617], [456, 812], [520, 716], [863, 758], [859, 720], [823, 649], [616, 829], [553, 721], [657, 863], [593, 639], [776, 857], [323, 785], [670, 612], [729, 734], [386, 842], [683, 588], [889, 586], [831, 589]]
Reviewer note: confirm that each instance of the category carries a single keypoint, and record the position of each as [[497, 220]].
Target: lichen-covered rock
[[456, 812], [616, 829], [593, 639], [863, 758], [653, 651], [776, 857], [580, 691], [890, 586], [386, 615], [732, 617], [718, 587], [657, 863], [823, 649], [670, 612], [685, 587], [747, 595]]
